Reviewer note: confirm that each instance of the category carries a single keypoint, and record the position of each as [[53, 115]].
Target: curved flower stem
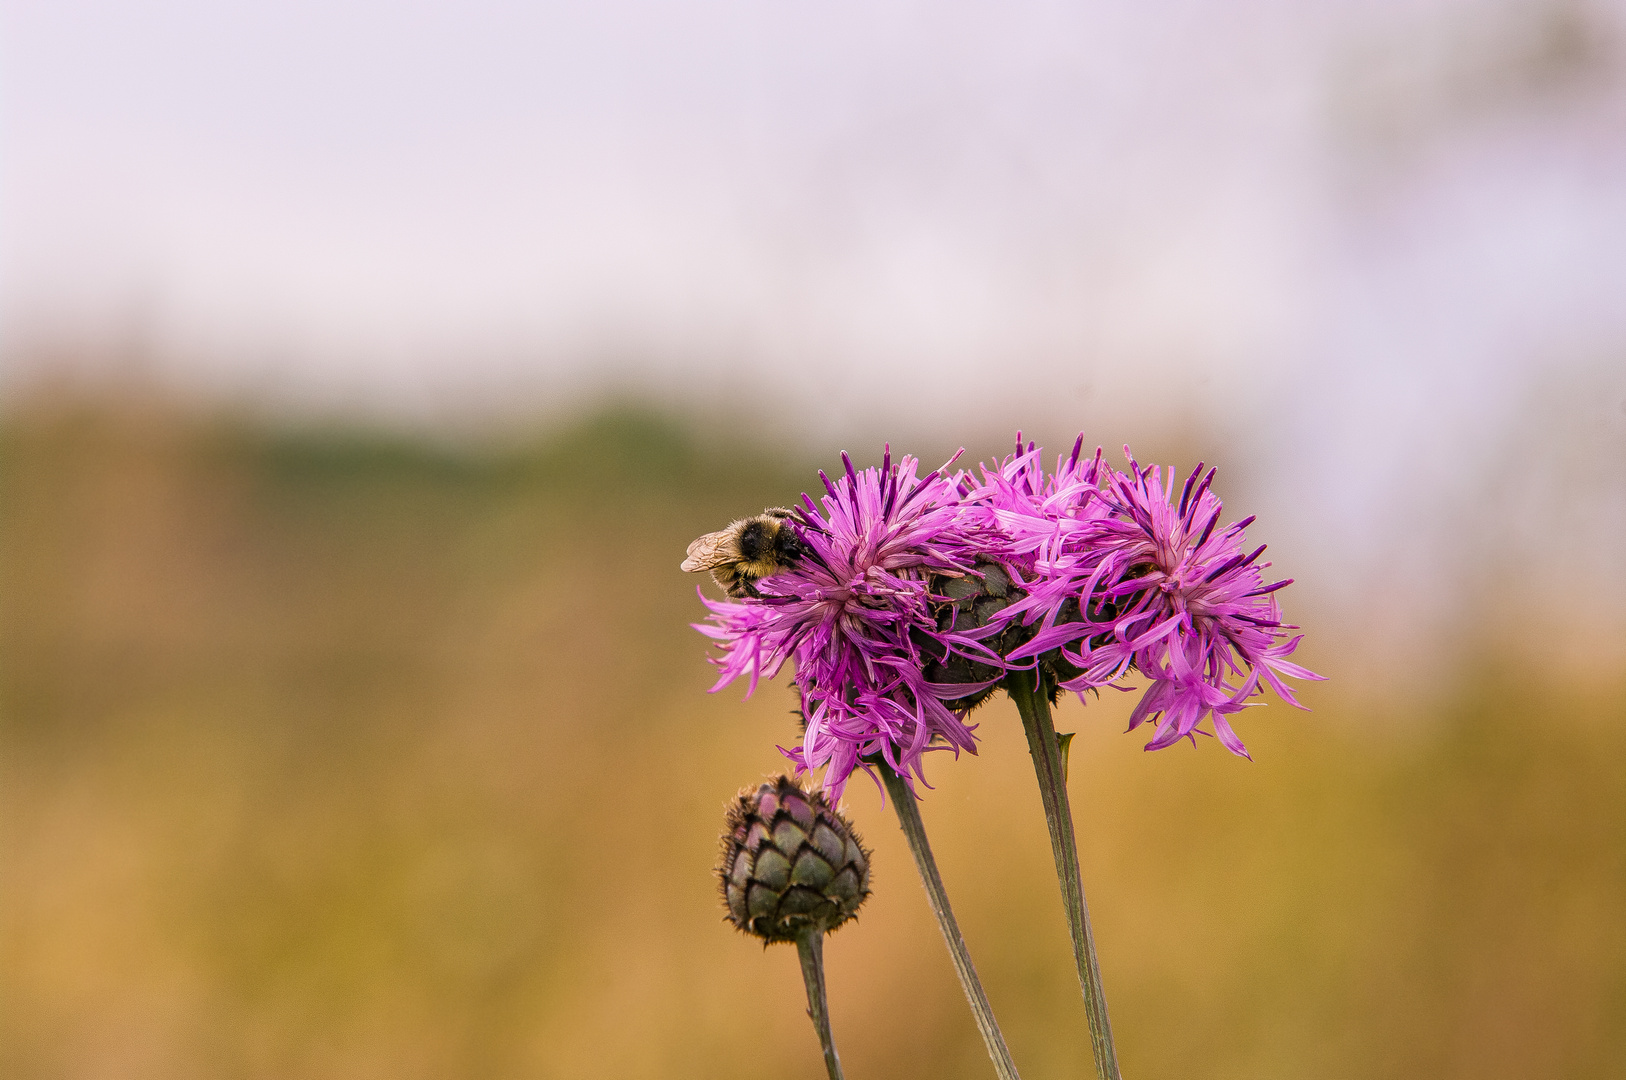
[[903, 800], [1032, 701], [810, 947]]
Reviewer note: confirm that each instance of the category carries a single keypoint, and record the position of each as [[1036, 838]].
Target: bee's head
[[786, 547]]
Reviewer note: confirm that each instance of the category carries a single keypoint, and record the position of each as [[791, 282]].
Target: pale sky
[[1380, 246]]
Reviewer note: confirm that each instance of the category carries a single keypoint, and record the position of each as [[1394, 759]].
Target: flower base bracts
[[790, 863]]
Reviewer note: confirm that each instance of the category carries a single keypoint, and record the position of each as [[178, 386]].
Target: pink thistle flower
[[1188, 606], [1051, 521], [856, 616], [1120, 575]]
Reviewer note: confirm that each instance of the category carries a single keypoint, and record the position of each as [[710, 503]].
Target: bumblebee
[[747, 551]]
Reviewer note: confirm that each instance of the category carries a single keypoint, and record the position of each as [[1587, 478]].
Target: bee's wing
[[713, 549]]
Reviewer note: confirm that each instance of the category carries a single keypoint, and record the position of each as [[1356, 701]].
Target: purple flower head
[[1188, 605], [855, 614], [1051, 522], [1119, 573]]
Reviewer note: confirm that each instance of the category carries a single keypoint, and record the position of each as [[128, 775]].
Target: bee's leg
[[743, 585]]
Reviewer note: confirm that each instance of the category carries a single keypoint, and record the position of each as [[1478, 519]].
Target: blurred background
[[367, 367]]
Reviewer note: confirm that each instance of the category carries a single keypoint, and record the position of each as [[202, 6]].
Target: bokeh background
[[367, 368]]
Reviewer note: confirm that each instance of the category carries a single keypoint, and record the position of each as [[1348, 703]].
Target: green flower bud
[[790, 862]]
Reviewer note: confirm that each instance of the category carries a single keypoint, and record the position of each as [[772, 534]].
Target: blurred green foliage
[[331, 753]]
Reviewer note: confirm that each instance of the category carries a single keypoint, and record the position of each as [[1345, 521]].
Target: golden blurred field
[[341, 754]]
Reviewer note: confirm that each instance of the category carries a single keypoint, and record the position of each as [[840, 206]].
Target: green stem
[[810, 947], [1032, 701], [903, 800]]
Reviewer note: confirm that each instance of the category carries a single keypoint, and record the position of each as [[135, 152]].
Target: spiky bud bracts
[[790, 862]]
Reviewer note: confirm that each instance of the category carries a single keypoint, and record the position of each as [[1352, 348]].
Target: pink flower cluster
[[1113, 573], [1153, 583]]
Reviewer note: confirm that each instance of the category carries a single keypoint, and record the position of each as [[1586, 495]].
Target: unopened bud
[[790, 862]]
